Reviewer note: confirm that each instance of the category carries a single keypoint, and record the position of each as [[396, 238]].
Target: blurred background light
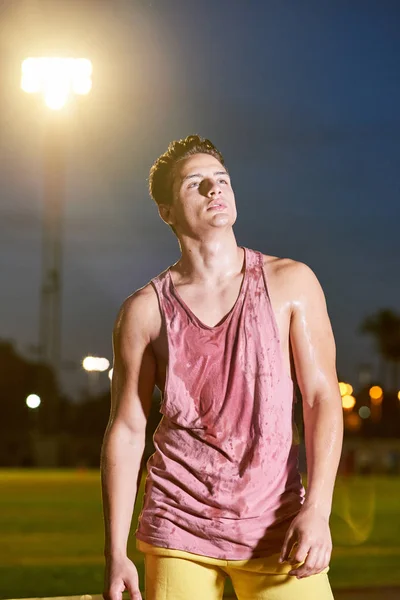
[[376, 394], [352, 422], [348, 402], [33, 401], [364, 412], [56, 78], [95, 363]]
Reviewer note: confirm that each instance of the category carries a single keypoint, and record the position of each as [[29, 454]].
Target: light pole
[[57, 79]]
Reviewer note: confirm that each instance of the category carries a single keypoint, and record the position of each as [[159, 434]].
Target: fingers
[[287, 546], [132, 586], [316, 561], [299, 552], [112, 594], [134, 593], [115, 593]]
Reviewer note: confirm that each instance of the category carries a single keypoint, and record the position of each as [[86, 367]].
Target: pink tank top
[[224, 480]]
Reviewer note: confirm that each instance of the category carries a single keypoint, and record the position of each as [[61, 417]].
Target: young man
[[221, 333]]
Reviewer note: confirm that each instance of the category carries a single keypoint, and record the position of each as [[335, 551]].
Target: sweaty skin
[[208, 277]]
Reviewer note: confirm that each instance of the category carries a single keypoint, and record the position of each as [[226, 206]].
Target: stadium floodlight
[[56, 78]]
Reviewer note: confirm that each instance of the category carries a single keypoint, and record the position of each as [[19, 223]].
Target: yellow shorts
[[178, 575]]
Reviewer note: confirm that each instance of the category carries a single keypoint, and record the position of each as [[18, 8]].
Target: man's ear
[[165, 210]]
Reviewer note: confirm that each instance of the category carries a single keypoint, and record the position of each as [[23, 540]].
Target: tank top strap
[[156, 283], [160, 285], [255, 268], [160, 282], [255, 259]]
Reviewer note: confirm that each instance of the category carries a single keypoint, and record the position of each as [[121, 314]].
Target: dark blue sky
[[302, 99]]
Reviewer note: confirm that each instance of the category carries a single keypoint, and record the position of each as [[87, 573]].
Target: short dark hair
[[162, 172]]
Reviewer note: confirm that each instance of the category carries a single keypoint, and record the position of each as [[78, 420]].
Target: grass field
[[51, 533]]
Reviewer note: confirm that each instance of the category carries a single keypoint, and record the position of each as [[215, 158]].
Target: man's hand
[[120, 575], [310, 535]]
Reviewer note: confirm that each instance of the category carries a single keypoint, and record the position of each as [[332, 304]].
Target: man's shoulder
[[279, 265], [145, 296], [142, 299], [140, 307], [295, 275]]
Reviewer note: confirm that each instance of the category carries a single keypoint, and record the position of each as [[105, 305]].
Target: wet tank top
[[223, 480]]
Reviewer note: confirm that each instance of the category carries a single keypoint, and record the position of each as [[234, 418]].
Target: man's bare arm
[[124, 440], [314, 354]]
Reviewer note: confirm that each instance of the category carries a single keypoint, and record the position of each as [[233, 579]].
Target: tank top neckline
[[224, 319]]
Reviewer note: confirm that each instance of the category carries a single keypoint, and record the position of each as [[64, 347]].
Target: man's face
[[202, 196]]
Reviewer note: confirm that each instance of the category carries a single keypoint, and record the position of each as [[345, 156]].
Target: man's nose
[[213, 189]]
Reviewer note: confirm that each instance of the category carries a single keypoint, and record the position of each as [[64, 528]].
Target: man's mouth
[[216, 206]]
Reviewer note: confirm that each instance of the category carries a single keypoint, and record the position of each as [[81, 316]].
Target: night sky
[[302, 98]]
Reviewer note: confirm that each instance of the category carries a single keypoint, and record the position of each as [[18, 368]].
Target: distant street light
[[376, 394], [349, 388], [94, 365], [345, 388], [376, 397], [348, 402], [33, 401]]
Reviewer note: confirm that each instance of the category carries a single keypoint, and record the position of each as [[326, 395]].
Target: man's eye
[[223, 181], [193, 184]]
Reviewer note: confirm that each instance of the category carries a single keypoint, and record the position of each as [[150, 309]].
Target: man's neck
[[213, 260]]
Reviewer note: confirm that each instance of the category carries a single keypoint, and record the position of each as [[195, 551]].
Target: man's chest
[[212, 309]]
